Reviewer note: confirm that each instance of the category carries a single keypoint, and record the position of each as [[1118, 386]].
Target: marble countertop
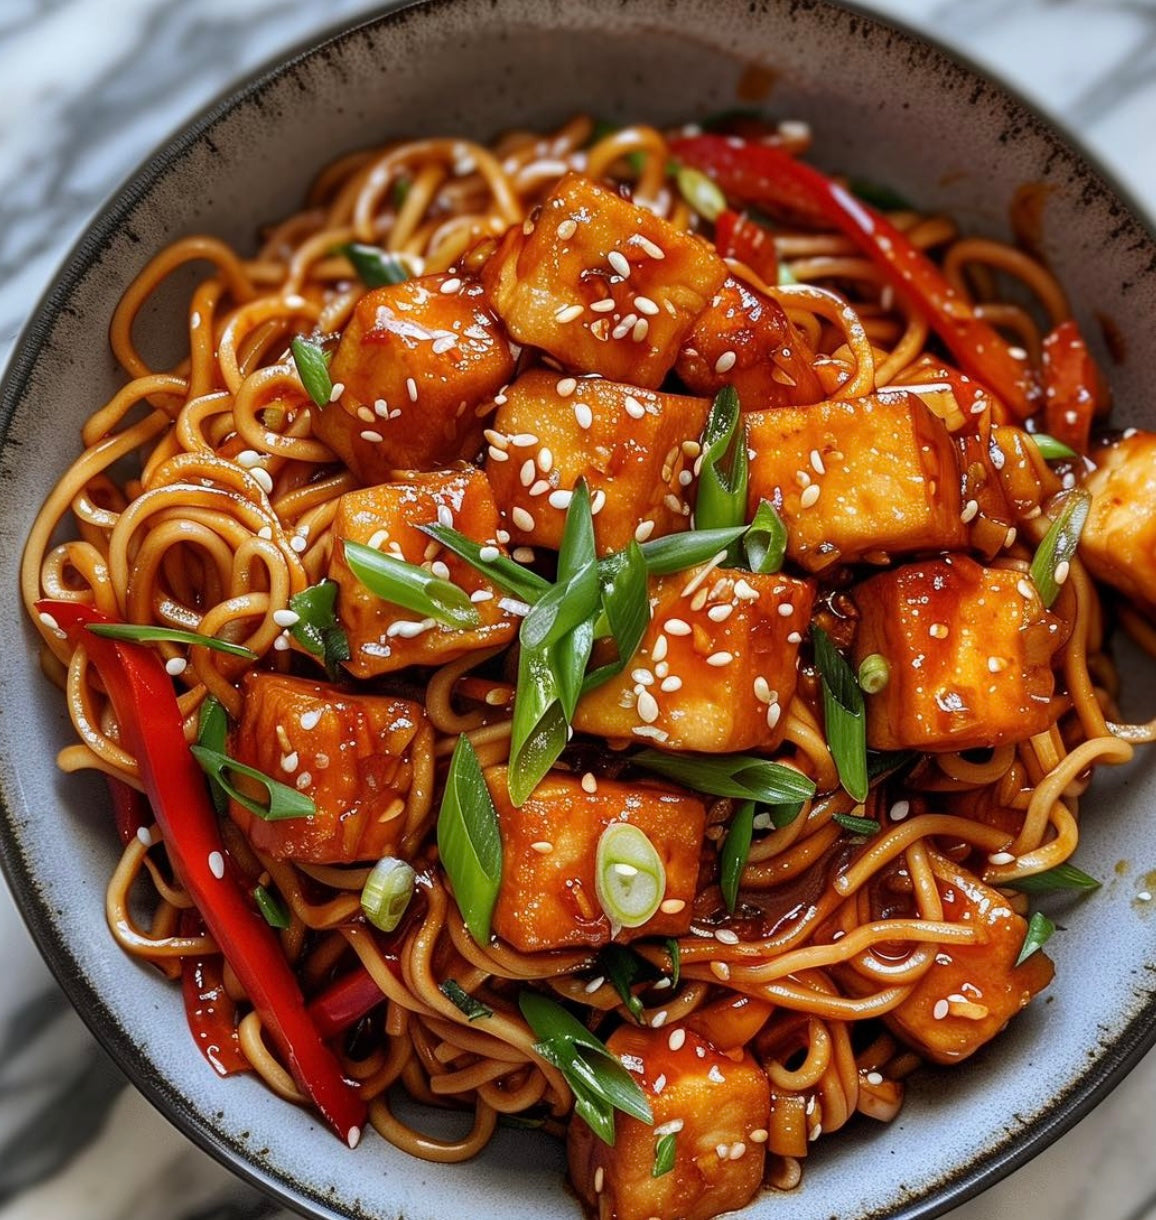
[[87, 89]]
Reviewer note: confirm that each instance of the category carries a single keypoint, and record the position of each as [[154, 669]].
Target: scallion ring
[[630, 878], [874, 673], [387, 893]]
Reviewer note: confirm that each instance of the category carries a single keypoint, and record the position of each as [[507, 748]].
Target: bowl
[[884, 105]]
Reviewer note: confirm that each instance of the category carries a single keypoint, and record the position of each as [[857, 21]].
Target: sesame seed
[[289, 761], [658, 652], [774, 711], [528, 472], [597, 502], [645, 305], [744, 591], [489, 553], [439, 569], [720, 970], [816, 1133], [726, 937], [817, 462], [720, 613], [364, 413], [900, 810], [640, 330], [248, 458], [810, 496], [381, 408], [677, 1039], [643, 530], [281, 643], [560, 499], [759, 1135], [676, 626], [513, 606], [671, 684], [672, 502], [938, 631], [618, 261], [542, 847], [497, 439], [590, 782], [874, 1077], [310, 720], [642, 675], [523, 440], [649, 731], [605, 305], [286, 618], [738, 1150], [263, 479], [175, 666], [996, 665], [721, 658], [762, 689], [482, 595], [794, 638], [599, 1178], [634, 408], [568, 313], [1001, 857], [566, 386], [521, 518], [592, 986], [1024, 589], [941, 1009], [969, 511], [498, 455], [1063, 568], [722, 1151], [217, 864], [411, 389], [540, 488], [567, 228], [786, 609], [624, 326], [625, 870], [1010, 537], [145, 835], [303, 781], [453, 284], [583, 415], [725, 362], [647, 707], [337, 390], [659, 1019], [671, 1128], [1144, 896]]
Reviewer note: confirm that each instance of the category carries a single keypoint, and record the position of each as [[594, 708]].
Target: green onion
[[1062, 877], [629, 876], [387, 892], [842, 715], [741, 776], [141, 634], [1040, 929], [282, 802], [318, 629], [540, 727], [882, 763], [885, 198], [735, 850], [410, 587], [675, 960], [626, 607], [596, 1077], [624, 968], [574, 597], [701, 193], [375, 267], [473, 1009], [399, 192], [677, 552], [469, 844], [525, 585], [313, 369], [664, 1149], [271, 908], [874, 673], [765, 542], [1059, 545], [722, 480], [858, 826], [213, 734], [1052, 450]]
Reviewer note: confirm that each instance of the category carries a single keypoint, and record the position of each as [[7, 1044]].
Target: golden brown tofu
[[1119, 540], [353, 754], [716, 667], [972, 991], [868, 478], [712, 1103], [602, 285], [970, 651], [745, 339], [384, 637], [548, 899], [415, 360], [626, 442]]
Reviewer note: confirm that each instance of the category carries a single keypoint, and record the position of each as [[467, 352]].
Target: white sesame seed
[[439, 569], [528, 472], [659, 1019], [524, 554], [217, 864], [658, 652], [677, 1039], [364, 413], [725, 362], [1001, 857], [643, 530], [817, 462], [411, 389], [482, 595], [676, 626], [874, 1077], [597, 502], [286, 618], [521, 518], [263, 479], [513, 606], [353, 1137], [542, 847], [453, 284], [647, 707], [634, 408], [645, 305], [720, 613], [599, 1178], [567, 228], [720, 658], [774, 711], [1063, 568], [175, 666], [996, 665], [489, 553], [303, 781], [618, 261], [560, 499], [624, 326], [568, 313], [566, 386], [605, 305], [336, 391], [289, 761], [381, 408], [738, 1150], [810, 496], [583, 415], [720, 970], [1144, 896], [281, 643], [1024, 589], [644, 676], [498, 455], [145, 835], [969, 511], [249, 458], [726, 937], [640, 330], [938, 631], [744, 591], [900, 810], [671, 684], [759, 1135], [310, 720], [794, 638], [592, 986], [523, 440], [941, 1009]]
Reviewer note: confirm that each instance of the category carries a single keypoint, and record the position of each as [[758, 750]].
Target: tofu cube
[[548, 898], [626, 442], [714, 1103], [353, 754], [1119, 540], [970, 651], [972, 991], [415, 361], [382, 636], [867, 478], [602, 285], [716, 668], [745, 339]]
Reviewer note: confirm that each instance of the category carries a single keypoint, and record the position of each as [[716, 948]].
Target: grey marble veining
[[87, 89]]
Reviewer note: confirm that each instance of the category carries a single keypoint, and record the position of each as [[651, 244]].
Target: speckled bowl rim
[[1005, 1156]]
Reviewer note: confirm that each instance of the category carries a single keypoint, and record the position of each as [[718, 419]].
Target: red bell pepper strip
[[763, 176], [210, 1011], [1074, 390], [346, 1001], [151, 729], [130, 810], [737, 236]]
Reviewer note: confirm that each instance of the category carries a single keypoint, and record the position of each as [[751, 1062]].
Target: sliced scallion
[[387, 892], [213, 734], [675, 960], [1052, 450], [271, 908], [741, 776], [843, 715], [629, 876], [524, 584], [313, 369], [1059, 545], [375, 267], [874, 673], [701, 192], [765, 541], [624, 968], [540, 725], [736, 849], [723, 477], [664, 1150], [410, 587], [139, 633], [471, 1008], [1062, 877], [574, 596], [281, 802], [625, 600], [318, 629], [677, 552], [1040, 929], [856, 825]]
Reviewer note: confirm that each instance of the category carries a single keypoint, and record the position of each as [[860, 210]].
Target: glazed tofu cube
[[970, 650], [353, 754], [548, 898], [384, 637], [716, 667], [867, 478], [627, 443], [1119, 540], [602, 285], [414, 362], [745, 339], [972, 991], [713, 1103]]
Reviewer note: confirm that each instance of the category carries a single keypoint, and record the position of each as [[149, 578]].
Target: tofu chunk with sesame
[[718, 1109], [633, 447], [716, 668], [970, 651], [602, 285], [548, 897], [384, 637], [972, 991], [414, 362], [866, 478], [1119, 540], [353, 754]]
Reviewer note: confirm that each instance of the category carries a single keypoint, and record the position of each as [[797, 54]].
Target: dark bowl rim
[[1081, 1096]]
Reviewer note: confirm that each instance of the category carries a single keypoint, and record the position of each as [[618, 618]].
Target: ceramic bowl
[[884, 105]]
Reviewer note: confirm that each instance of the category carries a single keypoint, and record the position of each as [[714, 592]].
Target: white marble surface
[[87, 89]]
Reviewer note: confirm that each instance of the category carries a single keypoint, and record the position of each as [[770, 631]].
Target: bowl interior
[[896, 111]]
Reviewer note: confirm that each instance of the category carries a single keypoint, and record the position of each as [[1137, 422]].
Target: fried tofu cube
[[718, 1108], [970, 651], [1119, 540], [384, 637], [414, 362], [715, 669], [548, 898], [866, 478], [602, 285], [627, 443], [972, 991], [745, 339], [353, 754]]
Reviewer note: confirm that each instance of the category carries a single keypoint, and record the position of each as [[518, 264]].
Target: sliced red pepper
[[130, 810], [209, 1009], [763, 176], [737, 236], [346, 1001], [1074, 389], [151, 727]]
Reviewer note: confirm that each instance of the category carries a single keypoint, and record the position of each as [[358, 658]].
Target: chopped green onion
[[140, 634], [857, 826], [541, 726], [1058, 547], [525, 585], [624, 968], [765, 541], [313, 369], [474, 1010], [885, 198], [1062, 877], [882, 763], [664, 1149], [282, 802], [626, 607], [701, 193], [677, 552], [468, 841], [387, 892], [318, 629], [213, 734], [1040, 929], [410, 587], [874, 673], [741, 776], [1052, 450], [574, 597], [735, 850], [629, 876], [722, 480], [375, 267], [675, 960], [271, 908], [842, 715]]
